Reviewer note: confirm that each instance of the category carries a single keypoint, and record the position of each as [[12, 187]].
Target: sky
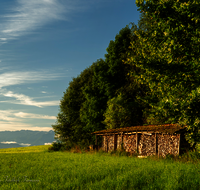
[[43, 45]]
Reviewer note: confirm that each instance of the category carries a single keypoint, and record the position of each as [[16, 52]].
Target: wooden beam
[[107, 142], [137, 142], [122, 140], [179, 144], [115, 141], [155, 144], [96, 140], [144, 132]]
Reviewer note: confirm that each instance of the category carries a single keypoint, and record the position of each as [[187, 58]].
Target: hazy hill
[[10, 145], [26, 137]]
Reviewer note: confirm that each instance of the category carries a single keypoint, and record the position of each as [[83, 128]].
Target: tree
[[109, 76], [168, 52], [123, 112], [93, 108], [69, 125], [83, 106]]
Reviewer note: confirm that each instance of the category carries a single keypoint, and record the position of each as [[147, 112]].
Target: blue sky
[[43, 44]]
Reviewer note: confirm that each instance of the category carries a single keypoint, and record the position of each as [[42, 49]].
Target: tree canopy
[[168, 52]]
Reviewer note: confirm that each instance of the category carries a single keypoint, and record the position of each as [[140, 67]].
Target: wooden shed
[[146, 140]]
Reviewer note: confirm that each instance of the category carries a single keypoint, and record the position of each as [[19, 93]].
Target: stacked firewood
[[129, 142], [108, 143], [168, 144], [147, 145]]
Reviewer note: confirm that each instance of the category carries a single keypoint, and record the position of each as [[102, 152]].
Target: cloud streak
[[34, 116], [13, 126], [29, 15], [12, 120], [14, 116], [26, 100], [16, 78]]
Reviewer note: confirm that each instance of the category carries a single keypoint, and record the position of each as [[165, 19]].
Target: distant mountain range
[[12, 139]]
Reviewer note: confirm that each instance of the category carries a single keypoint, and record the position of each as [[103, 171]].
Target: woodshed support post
[[95, 140], [122, 144], [156, 151], [115, 141], [95, 147], [136, 142], [179, 144], [107, 142]]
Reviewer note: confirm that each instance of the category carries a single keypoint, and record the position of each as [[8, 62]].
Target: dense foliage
[[150, 75], [168, 52]]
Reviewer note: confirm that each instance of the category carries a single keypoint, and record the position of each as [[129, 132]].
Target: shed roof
[[165, 128]]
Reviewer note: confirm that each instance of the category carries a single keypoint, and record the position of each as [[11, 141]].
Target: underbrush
[[75, 148]]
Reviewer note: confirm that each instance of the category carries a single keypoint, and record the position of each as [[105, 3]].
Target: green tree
[[117, 115], [69, 126], [168, 52], [84, 103], [109, 76], [91, 112], [123, 112]]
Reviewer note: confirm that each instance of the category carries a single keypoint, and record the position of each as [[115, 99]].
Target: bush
[[56, 146], [64, 146], [192, 156]]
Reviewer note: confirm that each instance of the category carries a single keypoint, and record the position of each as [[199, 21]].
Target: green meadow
[[36, 168]]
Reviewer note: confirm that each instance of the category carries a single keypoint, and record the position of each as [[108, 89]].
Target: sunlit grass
[[25, 149], [66, 170]]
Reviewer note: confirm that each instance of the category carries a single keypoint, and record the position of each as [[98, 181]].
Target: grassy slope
[[65, 170], [29, 149]]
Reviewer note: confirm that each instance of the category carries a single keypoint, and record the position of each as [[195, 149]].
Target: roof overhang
[[148, 129]]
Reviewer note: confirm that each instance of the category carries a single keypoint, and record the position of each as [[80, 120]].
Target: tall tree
[[69, 126], [91, 112], [112, 87], [84, 103]]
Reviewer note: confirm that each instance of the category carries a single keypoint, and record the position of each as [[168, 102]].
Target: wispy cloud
[[34, 116], [28, 15], [26, 100], [13, 120], [8, 115], [17, 126], [15, 116], [16, 78]]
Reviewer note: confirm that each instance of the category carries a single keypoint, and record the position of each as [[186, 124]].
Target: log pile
[[129, 142], [147, 145], [108, 143], [168, 144]]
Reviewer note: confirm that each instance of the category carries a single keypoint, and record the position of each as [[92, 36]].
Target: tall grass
[[66, 170]]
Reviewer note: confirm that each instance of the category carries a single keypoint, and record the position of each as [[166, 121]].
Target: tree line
[[150, 75]]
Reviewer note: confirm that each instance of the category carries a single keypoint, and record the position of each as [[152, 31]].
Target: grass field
[[36, 168]]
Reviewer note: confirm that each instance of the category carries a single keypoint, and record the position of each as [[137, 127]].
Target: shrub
[[56, 146], [191, 156]]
